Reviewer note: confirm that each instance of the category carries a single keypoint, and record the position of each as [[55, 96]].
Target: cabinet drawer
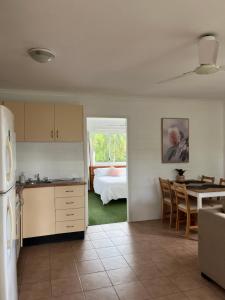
[[69, 202], [69, 214], [69, 226], [69, 191]]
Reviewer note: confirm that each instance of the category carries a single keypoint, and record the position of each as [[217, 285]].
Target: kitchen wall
[[54, 160], [144, 139]]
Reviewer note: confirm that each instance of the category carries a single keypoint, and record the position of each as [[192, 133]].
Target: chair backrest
[[181, 194], [208, 179], [222, 181], [165, 186]]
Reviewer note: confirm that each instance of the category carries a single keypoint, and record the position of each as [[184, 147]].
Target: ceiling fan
[[208, 47]]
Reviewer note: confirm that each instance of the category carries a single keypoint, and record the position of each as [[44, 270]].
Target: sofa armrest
[[212, 244]]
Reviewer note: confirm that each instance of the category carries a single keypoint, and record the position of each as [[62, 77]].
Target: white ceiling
[[119, 47]]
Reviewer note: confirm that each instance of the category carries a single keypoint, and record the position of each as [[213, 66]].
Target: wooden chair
[[186, 206], [208, 179], [167, 199], [222, 181]]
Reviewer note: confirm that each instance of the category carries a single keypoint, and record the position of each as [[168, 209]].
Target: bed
[[110, 183]]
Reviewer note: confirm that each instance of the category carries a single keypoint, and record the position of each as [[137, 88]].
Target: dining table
[[203, 190]]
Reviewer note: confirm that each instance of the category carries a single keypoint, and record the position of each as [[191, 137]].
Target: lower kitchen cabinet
[[53, 210], [38, 212]]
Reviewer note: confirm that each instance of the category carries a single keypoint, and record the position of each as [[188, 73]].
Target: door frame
[[86, 167]]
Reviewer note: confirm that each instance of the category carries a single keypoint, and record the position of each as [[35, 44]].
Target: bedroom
[[107, 168]]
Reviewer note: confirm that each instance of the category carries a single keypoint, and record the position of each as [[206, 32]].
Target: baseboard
[[53, 238]]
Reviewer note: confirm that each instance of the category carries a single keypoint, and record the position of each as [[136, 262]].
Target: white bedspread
[[110, 187]]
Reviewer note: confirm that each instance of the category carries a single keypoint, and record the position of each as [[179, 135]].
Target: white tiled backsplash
[[54, 160]]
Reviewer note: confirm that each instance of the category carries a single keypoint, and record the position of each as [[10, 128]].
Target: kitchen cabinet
[[39, 122], [53, 210], [17, 108], [69, 205], [38, 212], [45, 122], [68, 123]]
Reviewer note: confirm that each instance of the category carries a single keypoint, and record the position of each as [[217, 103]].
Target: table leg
[[199, 202]]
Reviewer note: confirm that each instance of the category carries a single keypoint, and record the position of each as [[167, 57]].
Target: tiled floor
[[138, 261]]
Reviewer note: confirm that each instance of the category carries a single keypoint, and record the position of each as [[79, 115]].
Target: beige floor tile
[[120, 276], [95, 281], [116, 262], [111, 227], [177, 296], [35, 291], [75, 296], [90, 266], [108, 252], [35, 274], [102, 243], [97, 235], [137, 258], [94, 229], [102, 294], [132, 291], [87, 255], [146, 271], [188, 281], [119, 241], [160, 287], [66, 286], [204, 294]]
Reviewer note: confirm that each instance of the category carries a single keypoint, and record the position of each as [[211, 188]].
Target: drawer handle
[[71, 202], [70, 226], [69, 215], [71, 191]]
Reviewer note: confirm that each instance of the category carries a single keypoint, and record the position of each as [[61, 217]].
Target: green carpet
[[114, 211]]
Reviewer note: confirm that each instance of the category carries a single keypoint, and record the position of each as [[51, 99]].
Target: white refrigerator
[[8, 273]]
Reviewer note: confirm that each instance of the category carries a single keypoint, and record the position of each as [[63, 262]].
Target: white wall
[[54, 160], [144, 140]]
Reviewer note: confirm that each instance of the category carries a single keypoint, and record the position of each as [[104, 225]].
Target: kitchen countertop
[[20, 187]]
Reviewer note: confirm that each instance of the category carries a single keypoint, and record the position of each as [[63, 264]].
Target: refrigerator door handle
[[9, 149], [10, 214]]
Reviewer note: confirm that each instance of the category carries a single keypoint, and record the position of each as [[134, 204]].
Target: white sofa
[[212, 244]]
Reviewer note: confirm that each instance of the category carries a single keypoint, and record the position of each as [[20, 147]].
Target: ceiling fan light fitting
[[41, 55], [207, 69]]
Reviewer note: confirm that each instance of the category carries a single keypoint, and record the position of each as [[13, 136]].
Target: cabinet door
[[38, 212], [39, 122], [68, 123], [17, 108]]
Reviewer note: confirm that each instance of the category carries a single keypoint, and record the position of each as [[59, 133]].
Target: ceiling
[[114, 47]]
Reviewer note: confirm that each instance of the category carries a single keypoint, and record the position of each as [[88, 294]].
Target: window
[[108, 147]]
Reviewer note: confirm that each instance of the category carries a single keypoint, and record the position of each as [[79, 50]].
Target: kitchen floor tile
[[95, 281], [102, 294], [120, 276], [116, 262], [90, 266], [107, 252], [132, 291], [66, 286]]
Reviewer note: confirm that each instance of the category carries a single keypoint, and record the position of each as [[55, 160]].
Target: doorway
[[107, 170]]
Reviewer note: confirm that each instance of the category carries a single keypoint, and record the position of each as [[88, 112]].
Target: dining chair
[[186, 206], [222, 181], [168, 201], [208, 179]]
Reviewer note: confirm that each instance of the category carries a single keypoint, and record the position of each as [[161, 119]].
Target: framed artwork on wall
[[175, 140]]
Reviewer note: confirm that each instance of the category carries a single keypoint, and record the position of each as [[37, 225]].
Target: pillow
[[99, 172], [114, 172]]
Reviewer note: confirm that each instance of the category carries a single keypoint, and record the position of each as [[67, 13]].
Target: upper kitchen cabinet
[[39, 122], [17, 108], [68, 123]]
